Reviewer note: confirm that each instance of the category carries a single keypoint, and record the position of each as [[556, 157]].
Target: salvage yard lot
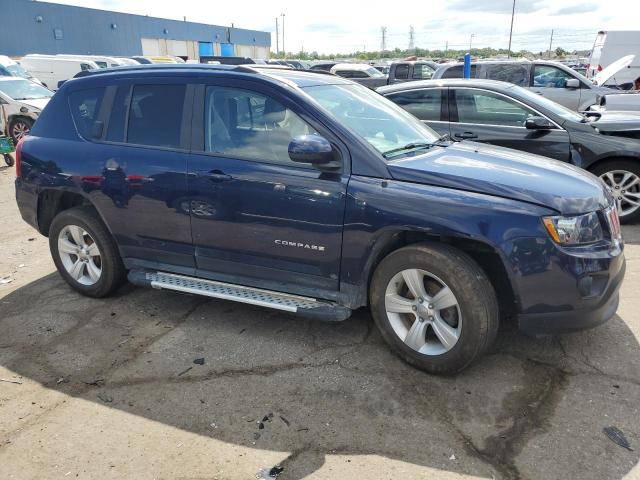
[[109, 389]]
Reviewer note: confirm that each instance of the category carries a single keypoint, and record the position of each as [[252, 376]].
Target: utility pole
[[550, 43], [513, 13], [471, 41], [411, 38], [277, 39], [284, 50], [446, 49], [383, 43]]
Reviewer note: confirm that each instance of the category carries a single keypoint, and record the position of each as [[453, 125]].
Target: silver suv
[[552, 80]]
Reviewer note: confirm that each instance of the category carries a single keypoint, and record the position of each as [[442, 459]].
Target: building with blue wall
[[47, 28]]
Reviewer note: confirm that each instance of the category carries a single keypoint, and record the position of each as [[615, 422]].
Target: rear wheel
[[85, 253], [435, 306], [8, 159], [623, 179]]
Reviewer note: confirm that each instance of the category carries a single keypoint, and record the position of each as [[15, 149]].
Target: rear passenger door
[[137, 175], [259, 218], [490, 117], [427, 104]]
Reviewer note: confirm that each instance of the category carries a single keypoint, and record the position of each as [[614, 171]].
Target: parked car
[[21, 101], [551, 80], [10, 68], [382, 68], [409, 71], [618, 102], [609, 47], [324, 66], [314, 195], [361, 73], [503, 114], [100, 60], [52, 70]]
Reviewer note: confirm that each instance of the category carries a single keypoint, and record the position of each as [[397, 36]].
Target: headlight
[[576, 230]]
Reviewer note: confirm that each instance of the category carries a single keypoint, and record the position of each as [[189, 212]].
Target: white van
[[51, 69], [609, 47], [10, 68], [100, 60]]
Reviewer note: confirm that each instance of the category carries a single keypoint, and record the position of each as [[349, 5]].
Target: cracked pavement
[[108, 389]]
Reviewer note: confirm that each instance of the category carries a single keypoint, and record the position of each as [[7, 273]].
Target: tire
[[85, 224], [8, 159], [474, 318], [19, 127], [612, 173]]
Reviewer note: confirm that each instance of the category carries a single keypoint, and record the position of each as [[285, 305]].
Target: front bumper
[[594, 312]]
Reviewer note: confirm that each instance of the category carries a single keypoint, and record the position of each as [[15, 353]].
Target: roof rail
[[161, 66]]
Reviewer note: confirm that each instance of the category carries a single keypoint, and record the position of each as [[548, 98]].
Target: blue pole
[[467, 65]]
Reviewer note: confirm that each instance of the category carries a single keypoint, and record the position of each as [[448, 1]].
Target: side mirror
[[312, 149], [538, 123], [572, 83]]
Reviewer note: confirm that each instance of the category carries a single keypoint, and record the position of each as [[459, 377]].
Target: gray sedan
[[503, 114]]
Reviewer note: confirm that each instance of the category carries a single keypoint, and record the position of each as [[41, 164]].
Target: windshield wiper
[[441, 141], [408, 146]]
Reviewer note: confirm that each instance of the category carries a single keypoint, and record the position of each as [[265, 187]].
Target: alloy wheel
[[80, 255], [423, 311], [20, 129], [625, 187]]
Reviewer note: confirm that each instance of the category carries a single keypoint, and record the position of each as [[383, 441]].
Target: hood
[[37, 103], [617, 121], [602, 77], [505, 173]]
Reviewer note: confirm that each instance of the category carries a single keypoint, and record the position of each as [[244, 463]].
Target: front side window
[[458, 72], [488, 108], [422, 71], [546, 76], [402, 71], [425, 104], [359, 74], [516, 74], [85, 106], [246, 124], [155, 115], [383, 124]]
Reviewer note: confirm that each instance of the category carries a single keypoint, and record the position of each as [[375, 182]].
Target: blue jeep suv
[[308, 193]]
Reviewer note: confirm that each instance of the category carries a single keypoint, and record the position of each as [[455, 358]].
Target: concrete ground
[[109, 389]]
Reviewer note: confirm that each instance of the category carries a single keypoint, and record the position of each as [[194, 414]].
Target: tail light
[[19, 157], [599, 68]]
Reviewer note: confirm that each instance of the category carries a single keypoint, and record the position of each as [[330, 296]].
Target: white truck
[[52, 70], [609, 47]]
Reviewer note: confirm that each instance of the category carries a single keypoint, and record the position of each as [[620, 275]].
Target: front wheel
[[623, 179], [85, 253], [435, 306], [19, 128]]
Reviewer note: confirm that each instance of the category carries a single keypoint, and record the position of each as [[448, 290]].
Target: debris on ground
[[95, 383], [617, 437], [5, 280], [105, 398], [269, 473], [62, 380], [452, 457], [10, 381], [286, 422], [199, 361], [184, 371]]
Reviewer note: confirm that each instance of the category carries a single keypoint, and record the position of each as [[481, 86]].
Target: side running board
[[308, 307]]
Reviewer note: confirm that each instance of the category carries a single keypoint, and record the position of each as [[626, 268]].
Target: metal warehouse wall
[[38, 27]]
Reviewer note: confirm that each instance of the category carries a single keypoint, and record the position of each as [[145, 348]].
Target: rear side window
[[424, 104], [457, 72], [402, 71], [422, 71], [85, 106], [155, 115], [118, 120], [516, 74]]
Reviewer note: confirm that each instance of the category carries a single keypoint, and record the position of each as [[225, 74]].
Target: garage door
[[151, 47]]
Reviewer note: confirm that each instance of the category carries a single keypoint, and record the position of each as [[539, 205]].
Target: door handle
[[217, 176], [465, 135]]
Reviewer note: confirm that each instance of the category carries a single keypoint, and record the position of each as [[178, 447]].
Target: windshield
[[374, 72], [371, 116], [24, 90], [17, 71], [555, 108]]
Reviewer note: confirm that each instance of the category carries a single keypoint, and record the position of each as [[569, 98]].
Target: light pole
[[284, 50], [277, 39], [513, 13], [471, 41]]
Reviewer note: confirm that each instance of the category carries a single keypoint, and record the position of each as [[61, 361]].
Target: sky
[[341, 26]]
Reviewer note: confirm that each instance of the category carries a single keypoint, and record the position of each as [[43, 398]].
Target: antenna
[[411, 38]]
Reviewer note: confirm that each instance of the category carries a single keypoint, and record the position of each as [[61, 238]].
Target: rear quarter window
[[85, 107]]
